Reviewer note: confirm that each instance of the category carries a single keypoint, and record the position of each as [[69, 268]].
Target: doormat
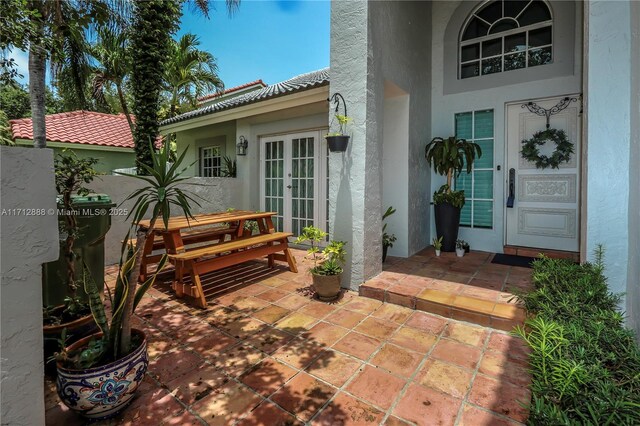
[[513, 260]]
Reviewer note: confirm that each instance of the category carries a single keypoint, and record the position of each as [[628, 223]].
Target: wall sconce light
[[241, 146]]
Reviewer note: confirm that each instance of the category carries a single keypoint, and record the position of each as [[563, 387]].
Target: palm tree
[[189, 73], [113, 66]]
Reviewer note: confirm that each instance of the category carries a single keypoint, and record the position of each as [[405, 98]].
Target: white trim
[[79, 146]]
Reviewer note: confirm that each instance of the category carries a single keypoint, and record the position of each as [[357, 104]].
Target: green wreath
[[562, 154]]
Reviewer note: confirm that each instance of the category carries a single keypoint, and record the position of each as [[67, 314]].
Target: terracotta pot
[[76, 330], [102, 392], [327, 286]]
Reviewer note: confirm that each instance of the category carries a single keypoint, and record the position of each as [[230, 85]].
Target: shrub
[[585, 364]]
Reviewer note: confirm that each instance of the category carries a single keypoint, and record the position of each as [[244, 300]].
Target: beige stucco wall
[[27, 240]]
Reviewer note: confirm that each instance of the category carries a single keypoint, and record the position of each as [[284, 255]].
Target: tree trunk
[[123, 104], [449, 178], [37, 75], [125, 338]]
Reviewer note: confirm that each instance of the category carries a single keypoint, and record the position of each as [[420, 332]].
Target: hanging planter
[[338, 141]]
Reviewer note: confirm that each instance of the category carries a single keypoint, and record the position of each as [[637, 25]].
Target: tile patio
[[265, 352]]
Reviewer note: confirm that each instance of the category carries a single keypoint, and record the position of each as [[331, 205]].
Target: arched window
[[505, 35]]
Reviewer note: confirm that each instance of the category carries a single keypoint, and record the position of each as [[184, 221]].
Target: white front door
[[293, 170], [545, 212]]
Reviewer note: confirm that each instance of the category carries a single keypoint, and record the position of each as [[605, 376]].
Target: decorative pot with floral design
[[102, 392]]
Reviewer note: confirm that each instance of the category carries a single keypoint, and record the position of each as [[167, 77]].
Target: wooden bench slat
[[238, 244]]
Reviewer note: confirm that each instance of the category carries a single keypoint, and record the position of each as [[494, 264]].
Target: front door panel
[[545, 212]]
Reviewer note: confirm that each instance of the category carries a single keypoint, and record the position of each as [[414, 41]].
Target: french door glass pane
[[464, 125], [274, 181], [302, 178]]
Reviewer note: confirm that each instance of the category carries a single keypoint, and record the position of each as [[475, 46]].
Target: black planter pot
[[447, 224], [338, 143], [384, 252]]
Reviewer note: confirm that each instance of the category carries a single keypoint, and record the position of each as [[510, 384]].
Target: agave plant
[[160, 193]]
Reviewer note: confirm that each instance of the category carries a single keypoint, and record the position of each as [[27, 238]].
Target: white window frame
[[216, 157]]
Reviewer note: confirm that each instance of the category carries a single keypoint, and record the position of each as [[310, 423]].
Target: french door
[[293, 180]]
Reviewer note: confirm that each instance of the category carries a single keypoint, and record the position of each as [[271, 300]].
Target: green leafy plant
[[462, 244], [156, 197], [342, 120], [388, 240], [449, 157], [229, 167], [437, 243], [331, 259], [585, 364]]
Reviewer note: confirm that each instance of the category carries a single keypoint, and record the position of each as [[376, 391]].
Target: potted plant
[[437, 245], [66, 308], [460, 247], [448, 157], [387, 240], [327, 265], [338, 141], [98, 375]]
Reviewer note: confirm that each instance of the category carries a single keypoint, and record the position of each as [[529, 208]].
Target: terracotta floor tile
[[426, 322], [317, 309], [514, 346], [464, 333], [345, 318], [159, 344], [242, 328], [447, 378], [394, 421], [272, 295], [325, 333], [225, 405], [397, 360], [250, 304], [237, 359], [376, 386], [271, 314], [425, 406], [183, 419], [292, 286], [358, 345], [268, 414], [457, 353], [374, 327], [395, 313], [363, 306], [299, 352], [414, 339], [212, 344], [267, 376], [273, 281], [498, 365], [474, 416], [473, 304], [152, 405], [293, 302], [173, 364], [197, 384], [438, 296], [345, 410], [499, 396], [490, 284], [334, 367], [296, 323], [303, 396], [269, 340], [480, 293]]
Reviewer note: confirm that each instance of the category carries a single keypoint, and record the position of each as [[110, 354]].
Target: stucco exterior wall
[[612, 197], [213, 194], [221, 134], [27, 241], [485, 93], [108, 159], [374, 42]]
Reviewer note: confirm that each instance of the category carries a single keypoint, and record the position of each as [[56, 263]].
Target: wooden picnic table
[[181, 232]]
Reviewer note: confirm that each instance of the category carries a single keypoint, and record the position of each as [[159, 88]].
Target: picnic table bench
[[192, 262]]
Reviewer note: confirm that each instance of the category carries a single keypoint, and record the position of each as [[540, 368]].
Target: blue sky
[[268, 40]]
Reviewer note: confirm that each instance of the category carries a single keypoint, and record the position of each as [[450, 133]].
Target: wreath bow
[[562, 153]]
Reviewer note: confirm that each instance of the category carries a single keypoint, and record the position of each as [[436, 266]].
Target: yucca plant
[[158, 196], [451, 155]]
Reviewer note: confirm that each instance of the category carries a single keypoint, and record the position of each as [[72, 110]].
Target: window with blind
[[210, 161], [477, 126]]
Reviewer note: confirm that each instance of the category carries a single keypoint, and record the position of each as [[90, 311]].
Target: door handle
[[512, 186], [289, 186]]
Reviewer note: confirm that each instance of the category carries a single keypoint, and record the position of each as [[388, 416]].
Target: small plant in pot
[[68, 309], [387, 239], [338, 141], [98, 375], [449, 157], [327, 264], [437, 245], [462, 247]]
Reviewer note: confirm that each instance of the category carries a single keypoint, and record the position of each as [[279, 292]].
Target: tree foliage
[[14, 101], [154, 23]]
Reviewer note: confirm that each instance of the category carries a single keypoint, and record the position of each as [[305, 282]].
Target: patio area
[[265, 352]]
